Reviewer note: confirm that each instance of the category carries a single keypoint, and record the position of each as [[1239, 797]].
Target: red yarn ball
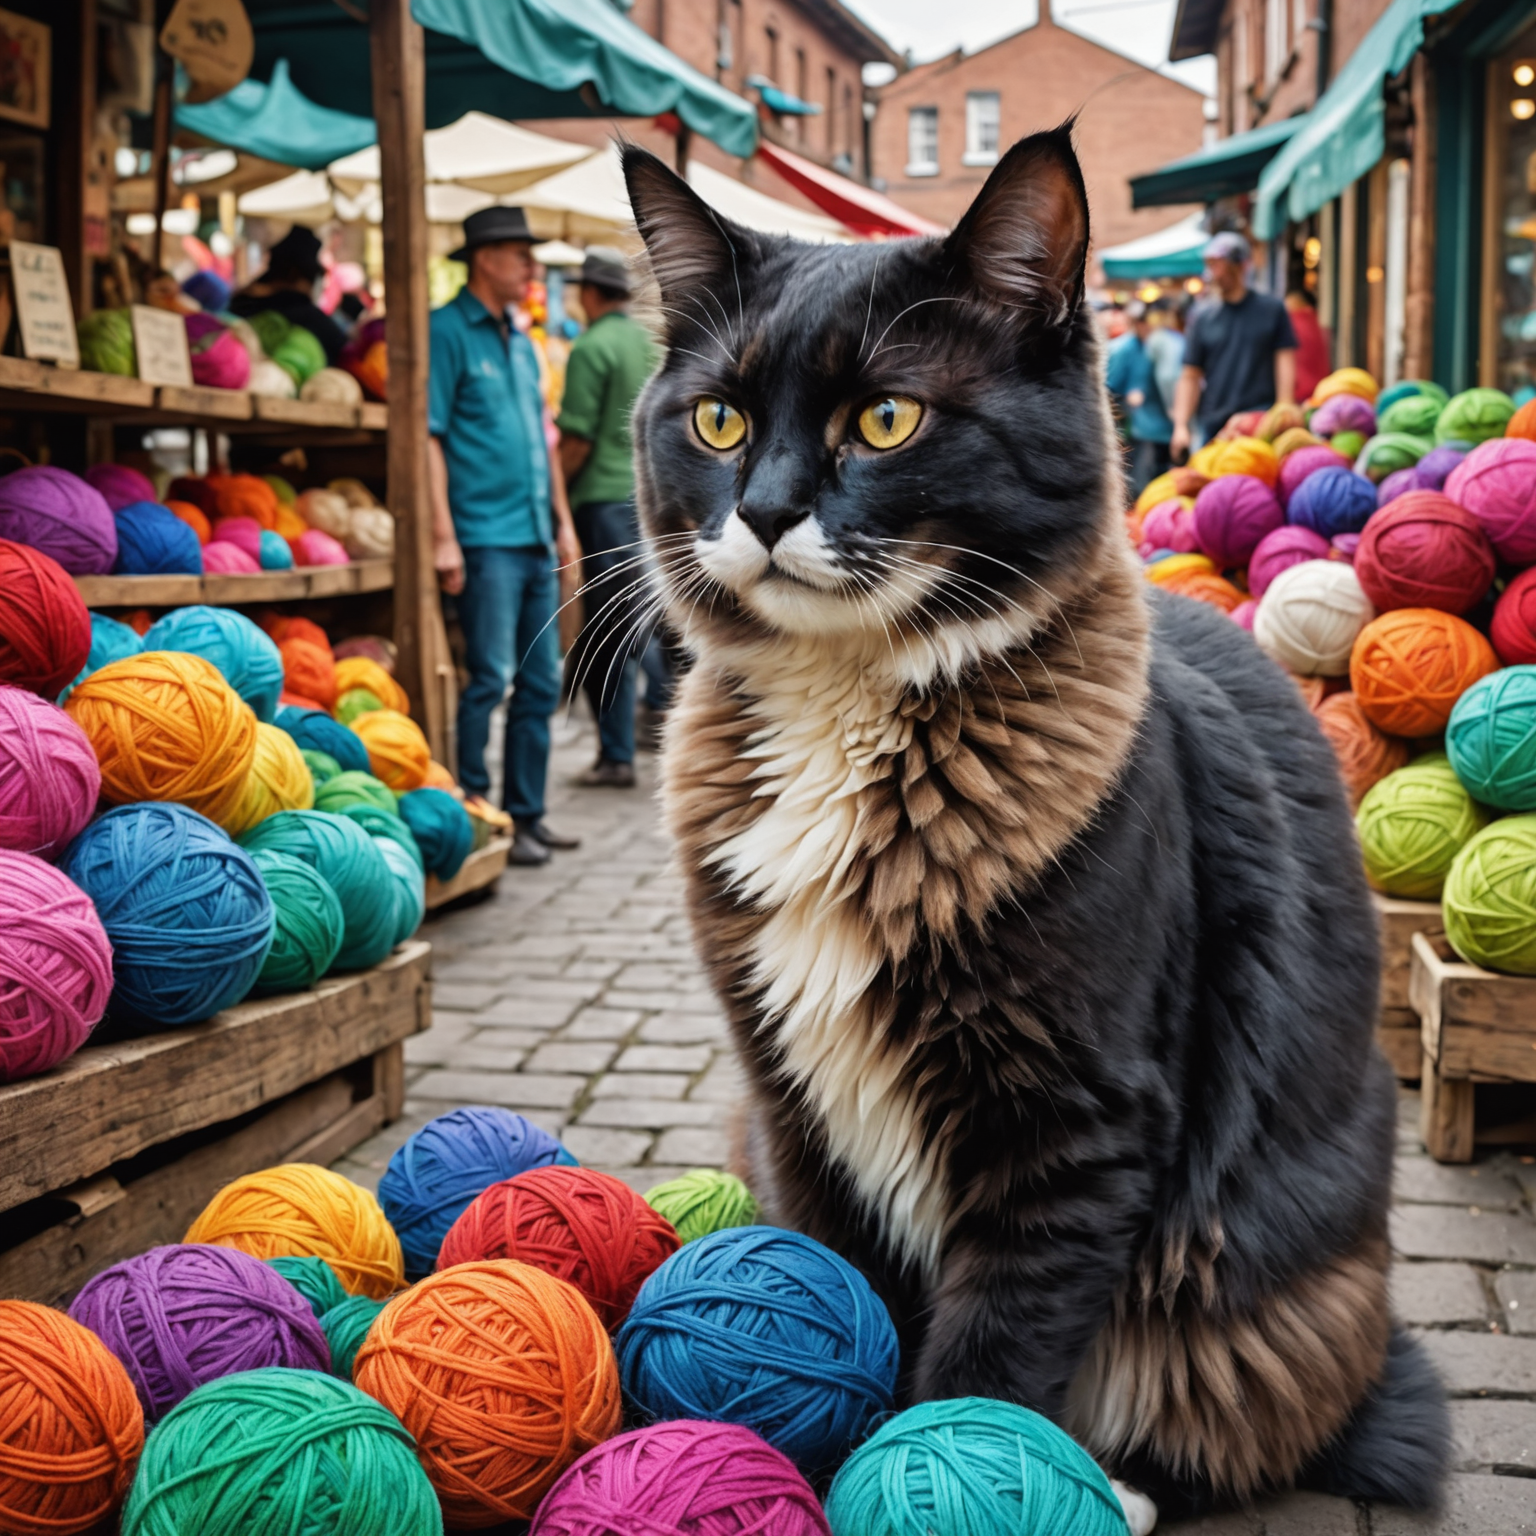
[[1231, 515], [1496, 483], [1513, 630], [577, 1224], [45, 627], [1423, 551]]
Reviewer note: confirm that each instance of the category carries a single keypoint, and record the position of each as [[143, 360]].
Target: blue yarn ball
[[1333, 501], [186, 909], [275, 555], [110, 641], [243, 652], [432, 1179], [153, 541], [442, 827], [410, 887], [768, 1329], [316, 730], [975, 1466]]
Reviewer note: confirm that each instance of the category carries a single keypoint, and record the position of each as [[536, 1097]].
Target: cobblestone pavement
[[573, 997]]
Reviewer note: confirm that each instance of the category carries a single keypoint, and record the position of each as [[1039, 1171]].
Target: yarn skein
[[1424, 551], [1410, 666], [1491, 739], [1474, 416], [1490, 898], [153, 541], [317, 732], [110, 641], [49, 781], [62, 516], [1412, 824], [118, 484], [409, 884], [1232, 514], [702, 1201], [45, 627], [352, 788], [278, 781], [308, 923], [1365, 755], [355, 702], [221, 558], [441, 827], [1279, 551], [362, 672], [321, 765], [1310, 615], [246, 658], [1332, 501], [397, 750], [312, 1278], [1513, 630], [309, 670], [388, 826], [1496, 483], [346, 1325]]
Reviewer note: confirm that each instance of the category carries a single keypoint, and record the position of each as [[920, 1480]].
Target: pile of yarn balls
[[1399, 586]]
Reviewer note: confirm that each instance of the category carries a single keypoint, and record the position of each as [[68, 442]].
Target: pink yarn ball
[[219, 357], [316, 548], [244, 531], [1342, 546], [1243, 614], [60, 515], [1232, 513], [1496, 483], [1279, 551], [1343, 413], [49, 780], [1297, 465], [120, 485], [55, 966], [221, 558], [1169, 525]]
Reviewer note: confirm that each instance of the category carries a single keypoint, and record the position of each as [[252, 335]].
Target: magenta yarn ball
[[1279, 551], [49, 779], [62, 516], [55, 966], [221, 558], [1424, 551], [1301, 462], [1432, 471], [1496, 483], [1243, 614], [1343, 413], [1232, 513], [219, 357], [1342, 546], [1398, 483], [245, 532], [682, 1477], [120, 485], [317, 548], [1169, 525]]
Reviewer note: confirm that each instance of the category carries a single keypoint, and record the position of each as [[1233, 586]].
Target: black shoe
[[542, 832], [527, 849], [607, 774]]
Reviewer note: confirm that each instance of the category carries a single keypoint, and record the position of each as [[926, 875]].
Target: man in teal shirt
[[499, 518]]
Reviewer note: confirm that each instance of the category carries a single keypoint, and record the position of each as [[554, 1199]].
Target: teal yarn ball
[[110, 641], [345, 1327], [275, 555], [315, 729], [283, 1453], [1491, 739], [970, 1466], [242, 651], [768, 1329], [351, 788], [349, 861], [309, 927], [1408, 389], [313, 1279], [410, 887], [321, 765], [386, 825], [442, 828]]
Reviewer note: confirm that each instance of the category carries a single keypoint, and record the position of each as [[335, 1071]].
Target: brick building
[[939, 127]]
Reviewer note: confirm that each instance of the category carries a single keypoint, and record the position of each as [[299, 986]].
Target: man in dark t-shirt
[[287, 286], [1239, 351]]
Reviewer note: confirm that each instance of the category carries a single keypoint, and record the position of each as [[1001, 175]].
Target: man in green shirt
[[608, 365]]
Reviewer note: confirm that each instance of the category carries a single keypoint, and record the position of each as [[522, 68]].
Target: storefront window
[[1509, 326]]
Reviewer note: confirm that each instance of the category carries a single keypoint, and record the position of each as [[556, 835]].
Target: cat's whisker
[[869, 307], [918, 304]]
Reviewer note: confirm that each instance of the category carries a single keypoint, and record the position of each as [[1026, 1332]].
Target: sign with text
[[43, 308], [160, 339], [213, 39]]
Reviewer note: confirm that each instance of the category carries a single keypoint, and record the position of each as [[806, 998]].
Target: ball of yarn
[[356, 493], [1293, 438], [278, 781], [1310, 615], [438, 777], [1332, 501], [1424, 551], [334, 386], [308, 669], [1166, 568], [317, 548], [1249, 456], [1513, 629], [430, 1355], [294, 626], [765, 1328], [1233, 514], [1345, 381], [1365, 754], [683, 1478], [73, 1427], [388, 826], [246, 496], [346, 1325], [110, 641], [354, 702], [270, 328], [397, 751], [275, 554], [371, 370], [1474, 416], [219, 359], [349, 861], [1298, 466], [283, 489], [321, 765], [1344, 546], [1350, 444], [1496, 483], [45, 627], [352, 788], [1206, 587], [221, 558], [1398, 483], [326, 510], [1414, 415], [1243, 614], [166, 726], [308, 923], [299, 354], [55, 967], [185, 908], [1491, 739], [184, 1314], [271, 379], [245, 532], [1523, 422], [441, 827], [1434, 469], [1490, 898], [280, 1450], [1171, 525], [208, 289], [1279, 551], [117, 484], [1412, 824], [246, 658], [318, 732], [62, 515], [1407, 388], [193, 517], [49, 781], [702, 1201], [197, 490], [409, 884], [1279, 419], [372, 535], [972, 1464], [1411, 665], [312, 1278], [106, 342], [153, 541], [1343, 413]]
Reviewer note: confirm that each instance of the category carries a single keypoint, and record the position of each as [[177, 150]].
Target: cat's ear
[[1023, 243], [691, 247]]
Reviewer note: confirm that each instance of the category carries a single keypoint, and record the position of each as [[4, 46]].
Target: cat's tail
[[1396, 1445]]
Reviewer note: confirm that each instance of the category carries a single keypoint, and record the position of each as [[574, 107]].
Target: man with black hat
[[288, 286], [609, 364], [499, 520]]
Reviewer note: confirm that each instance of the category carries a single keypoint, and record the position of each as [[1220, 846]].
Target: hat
[[490, 226], [1227, 246], [298, 251], [605, 268]]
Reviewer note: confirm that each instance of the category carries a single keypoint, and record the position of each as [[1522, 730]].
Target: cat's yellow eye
[[890, 422], [722, 426]]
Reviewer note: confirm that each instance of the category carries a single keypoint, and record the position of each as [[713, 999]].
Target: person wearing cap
[[608, 365], [1131, 378], [1239, 351], [499, 520], [288, 286]]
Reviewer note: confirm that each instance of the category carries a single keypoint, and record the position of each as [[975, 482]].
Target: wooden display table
[[258, 587], [1397, 1031], [479, 871]]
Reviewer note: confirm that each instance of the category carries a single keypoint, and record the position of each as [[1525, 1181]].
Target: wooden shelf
[[224, 591], [482, 868], [1397, 1030]]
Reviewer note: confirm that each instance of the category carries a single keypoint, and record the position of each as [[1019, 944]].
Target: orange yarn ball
[[283, 626], [166, 726], [289, 524], [309, 671], [361, 672], [1523, 422], [1313, 690], [397, 751], [438, 777], [1205, 587], [71, 1427], [1366, 755], [195, 519], [503, 1375], [246, 496], [1409, 667]]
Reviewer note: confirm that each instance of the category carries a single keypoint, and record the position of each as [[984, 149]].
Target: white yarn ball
[[1309, 616], [334, 386], [372, 534], [269, 378], [326, 511]]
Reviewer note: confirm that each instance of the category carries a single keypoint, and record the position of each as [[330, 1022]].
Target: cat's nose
[[770, 522]]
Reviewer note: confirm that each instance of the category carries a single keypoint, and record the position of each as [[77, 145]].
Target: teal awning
[[1223, 169], [1172, 252], [1345, 133]]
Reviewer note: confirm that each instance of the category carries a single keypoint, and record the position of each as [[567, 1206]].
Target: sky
[[1139, 28]]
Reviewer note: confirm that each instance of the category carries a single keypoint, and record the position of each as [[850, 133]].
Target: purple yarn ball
[[1398, 483], [1169, 526], [1297, 465], [1343, 413], [188, 1313], [1333, 501], [1279, 551], [153, 541], [1342, 546], [1434, 469], [120, 485], [1232, 513], [59, 514]]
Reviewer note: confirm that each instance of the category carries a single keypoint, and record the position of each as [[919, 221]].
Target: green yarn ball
[[353, 788], [1412, 824], [271, 329], [355, 702], [1490, 898], [106, 343], [1491, 739], [1347, 443], [309, 923], [1408, 389], [1390, 451], [322, 765], [410, 886], [975, 1466], [299, 354], [1414, 414], [702, 1201], [313, 1279], [280, 1450], [1474, 416], [345, 1326], [385, 824]]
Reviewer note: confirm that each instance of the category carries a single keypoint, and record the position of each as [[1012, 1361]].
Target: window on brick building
[[922, 141], [831, 111], [773, 57], [1275, 38], [983, 123]]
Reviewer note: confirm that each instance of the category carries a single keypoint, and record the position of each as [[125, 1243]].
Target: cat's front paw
[[1140, 1511]]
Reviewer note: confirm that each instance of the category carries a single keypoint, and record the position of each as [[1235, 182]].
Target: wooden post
[[77, 133], [399, 109]]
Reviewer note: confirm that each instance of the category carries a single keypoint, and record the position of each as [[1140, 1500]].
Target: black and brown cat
[[1031, 895]]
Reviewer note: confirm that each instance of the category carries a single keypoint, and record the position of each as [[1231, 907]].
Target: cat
[[1030, 893]]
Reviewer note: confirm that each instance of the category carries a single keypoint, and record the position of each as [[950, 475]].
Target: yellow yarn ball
[[1293, 438], [1159, 490], [279, 780], [360, 672], [1204, 460], [1346, 381], [1245, 456], [1160, 572], [397, 751], [301, 1210]]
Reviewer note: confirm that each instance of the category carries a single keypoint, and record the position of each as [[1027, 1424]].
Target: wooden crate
[[1397, 1030], [481, 869], [1475, 1027]]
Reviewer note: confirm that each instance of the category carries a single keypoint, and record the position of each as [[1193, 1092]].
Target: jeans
[[603, 657], [1148, 461], [508, 609]]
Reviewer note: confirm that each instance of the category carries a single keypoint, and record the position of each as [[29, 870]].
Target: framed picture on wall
[[25, 70]]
